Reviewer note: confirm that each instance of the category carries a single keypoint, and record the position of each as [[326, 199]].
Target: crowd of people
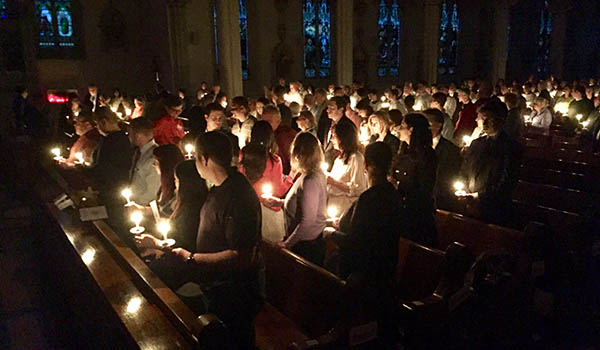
[[300, 165]]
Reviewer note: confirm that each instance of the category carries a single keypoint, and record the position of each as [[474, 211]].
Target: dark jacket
[[415, 174], [111, 163], [448, 169], [491, 168], [514, 123]]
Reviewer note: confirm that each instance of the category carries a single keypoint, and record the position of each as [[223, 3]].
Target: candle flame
[[459, 186], [467, 140], [164, 227], [189, 148], [332, 211], [324, 166], [267, 189], [126, 193], [579, 116], [137, 217], [79, 157], [585, 123], [56, 151]]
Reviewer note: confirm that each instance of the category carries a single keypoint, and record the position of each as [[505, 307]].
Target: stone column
[[344, 41], [174, 24], [230, 52], [431, 37], [500, 40], [558, 13]]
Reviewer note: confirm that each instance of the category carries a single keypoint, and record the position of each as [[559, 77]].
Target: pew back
[[418, 271], [573, 201]]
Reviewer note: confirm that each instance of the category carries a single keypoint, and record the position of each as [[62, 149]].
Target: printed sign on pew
[[86, 213]]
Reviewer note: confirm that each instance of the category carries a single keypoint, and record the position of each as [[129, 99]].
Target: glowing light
[[332, 213], [164, 227], [133, 305], [467, 140], [459, 186], [79, 157], [189, 148], [128, 111], [56, 152], [76, 113], [88, 256], [579, 117], [120, 115], [137, 217], [56, 99], [562, 108], [127, 194], [324, 167], [267, 191], [385, 105], [382, 98], [418, 106], [113, 109], [585, 123]]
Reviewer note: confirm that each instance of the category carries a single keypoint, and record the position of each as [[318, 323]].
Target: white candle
[[127, 194], [128, 111], [164, 227], [467, 140], [189, 148], [579, 117], [460, 188], [267, 191], [137, 217], [79, 157], [324, 167], [113, 109], [56, 152], [332, 213]]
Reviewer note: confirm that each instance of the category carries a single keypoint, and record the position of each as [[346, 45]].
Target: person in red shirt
[[284, 135], [169, 129]]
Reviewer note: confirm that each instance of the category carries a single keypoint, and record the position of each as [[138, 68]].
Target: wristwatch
[[190, 258]]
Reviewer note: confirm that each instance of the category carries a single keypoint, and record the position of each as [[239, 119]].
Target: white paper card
[[155, 212], [93, 213], [65, 204], [60, 198]]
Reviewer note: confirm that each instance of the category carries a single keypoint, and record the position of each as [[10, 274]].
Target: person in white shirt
[[144, 181], [541, 118]]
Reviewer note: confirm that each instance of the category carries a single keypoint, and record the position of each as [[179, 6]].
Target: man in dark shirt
[[227, 258], [581, 105], [112, 158], [514, 124], [490, 168], [448, 162]]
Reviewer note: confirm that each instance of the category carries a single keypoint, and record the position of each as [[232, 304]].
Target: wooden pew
[[564, 179], [574, 161], [150, 313], [554, 197]]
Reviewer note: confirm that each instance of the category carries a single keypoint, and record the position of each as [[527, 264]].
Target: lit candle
[[364, 137], [460, 189], [385, 105], [579, 117], [164, 227], [76, 113], [56, 152], [324, 167], [127, 194], [467, 140], [79, 157], [120, 115], [137, 217], [189, 148], [527, 118], [128, 111], [382, 98], [585, 123], [332, 213], [267, 191], [113, 109]]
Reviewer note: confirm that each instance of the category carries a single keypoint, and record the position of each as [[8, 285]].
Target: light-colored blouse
[[352, 174], [542, 120]]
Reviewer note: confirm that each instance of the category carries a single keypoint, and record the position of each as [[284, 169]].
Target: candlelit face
[[335, 141], [405, 132], [333, 112], [260, 107], [214, 121], [81, 125], [174, 111]]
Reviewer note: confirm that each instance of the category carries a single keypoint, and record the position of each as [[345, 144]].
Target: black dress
[[415, 175]]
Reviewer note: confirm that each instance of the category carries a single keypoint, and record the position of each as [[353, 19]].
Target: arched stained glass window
[[448, 45], [388, 53], [244, 38], [3, 9], [55, 23], [317, 38], [216, 32], [543, 43]]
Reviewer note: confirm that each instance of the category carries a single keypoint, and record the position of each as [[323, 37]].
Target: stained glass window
[[543, 43], [317, 38], [244, 38], [2, 9], [448, 45], [55, 23], [215, 32], [388, 53]]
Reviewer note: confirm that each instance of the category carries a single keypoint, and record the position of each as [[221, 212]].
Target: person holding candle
[[143, 178], [88, 139], [306, 201], [242, 127], [414, 172], [347, 179], [169, 129], [379, 126], [138, 110], [541, 118], [284, 135], [490, 168], [306, 122]]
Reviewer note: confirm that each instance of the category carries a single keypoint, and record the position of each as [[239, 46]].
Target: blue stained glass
[[448, 43], [544, 42], [215, 32], [2, 9], [55, 22], [388, 53], [316, 23], [244, 38]]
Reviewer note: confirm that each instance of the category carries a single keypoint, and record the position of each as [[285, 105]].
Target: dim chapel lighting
[[467, 140], [137, 217], [579, 117], [585, 123], [332, 213], [459, 186], [267, 191]]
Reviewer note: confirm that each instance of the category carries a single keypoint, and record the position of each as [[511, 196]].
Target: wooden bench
[[564, 179], [554, 197], [149, 312]]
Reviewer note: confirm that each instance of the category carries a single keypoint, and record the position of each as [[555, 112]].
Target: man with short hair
[[490, 167], [284, 135], [112, 158], [448, 162], [320, 104], [91, 100], [242, 127], [580, 104], [144, 181], [88, 138], [168, 128], [515, 123], [227, 261], [215, 114], [438, 100]]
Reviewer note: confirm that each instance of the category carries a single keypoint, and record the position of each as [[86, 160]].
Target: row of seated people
[[230, 218]]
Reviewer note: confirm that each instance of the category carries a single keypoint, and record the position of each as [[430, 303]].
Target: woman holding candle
[[305, 203], [541, 118], [379, 127], [347, 179], [415, 174]]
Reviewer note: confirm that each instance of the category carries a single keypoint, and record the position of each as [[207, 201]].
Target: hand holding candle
[[579, 117], [467, 140], [164, 227], [56, 152], [127, 194], [267, 191], [79, 157], [460, 189], [332, 213], [137, 217]]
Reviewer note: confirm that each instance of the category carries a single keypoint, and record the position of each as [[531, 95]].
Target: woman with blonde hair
[[305, 203], [306, 122], [379, 127]]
